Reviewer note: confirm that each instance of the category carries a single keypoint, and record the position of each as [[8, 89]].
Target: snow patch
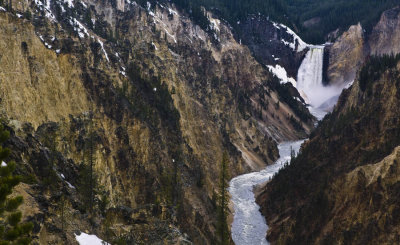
[[3, 164], [301, 44], [69, 185], [2, 9], [172, 12], [173, 37], [281, 73], [214, 24], [46, 8], [78, 27], [70, 3], [149, 9], [104, 51], [86, 239], [155, 47]]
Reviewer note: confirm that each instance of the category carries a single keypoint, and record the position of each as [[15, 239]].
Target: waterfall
[[309, 77], [320, 98]]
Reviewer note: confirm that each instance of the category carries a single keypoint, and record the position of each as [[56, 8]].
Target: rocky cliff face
[[346, 56], [385, 37], [271, 43], [147, 97], [342, 188], [351, 49]]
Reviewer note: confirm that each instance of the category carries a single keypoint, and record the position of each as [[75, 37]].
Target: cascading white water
[[310, 86], [309, 76]]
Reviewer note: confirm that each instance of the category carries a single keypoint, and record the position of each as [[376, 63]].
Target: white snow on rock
[[281, 73], [149, 9], [69, 185], [86, 239], [214, 24], [46, 9], [3, 164], [172, 12], [104, 51], [172, 36], [301, 44], [2, 9], [78, 27], [154, 45], [70, 3]]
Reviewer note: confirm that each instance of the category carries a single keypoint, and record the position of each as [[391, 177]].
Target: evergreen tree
[[91, 161], [222, 209], [87, 183], [12, 231]]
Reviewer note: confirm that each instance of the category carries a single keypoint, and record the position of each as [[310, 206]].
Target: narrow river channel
[[249, 226]]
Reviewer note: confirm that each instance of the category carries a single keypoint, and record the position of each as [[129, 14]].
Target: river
[[249, 226]]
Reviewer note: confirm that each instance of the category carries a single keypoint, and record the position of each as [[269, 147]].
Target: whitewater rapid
[[249, 226]]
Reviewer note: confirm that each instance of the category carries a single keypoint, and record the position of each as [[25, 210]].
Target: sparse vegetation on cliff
[[12, 230], [374, 68], [223, 200]]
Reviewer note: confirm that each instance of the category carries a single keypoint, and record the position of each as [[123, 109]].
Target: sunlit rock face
[[351, 49], [346, 56], [385, 37]]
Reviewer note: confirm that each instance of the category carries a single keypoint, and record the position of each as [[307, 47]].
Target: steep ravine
[[249, 226]]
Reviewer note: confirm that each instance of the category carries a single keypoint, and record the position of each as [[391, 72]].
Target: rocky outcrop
[[342, 188], [385, 36], [351, 49], [346, 56]]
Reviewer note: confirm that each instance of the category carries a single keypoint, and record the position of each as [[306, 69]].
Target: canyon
[[120, 112]]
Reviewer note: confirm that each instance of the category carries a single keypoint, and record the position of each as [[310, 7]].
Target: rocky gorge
[[345, 192], [120, 113], [144, 100]]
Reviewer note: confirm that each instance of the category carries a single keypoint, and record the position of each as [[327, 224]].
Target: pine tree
[[91, 161], [222, 209], [12, 231], [87, 183]]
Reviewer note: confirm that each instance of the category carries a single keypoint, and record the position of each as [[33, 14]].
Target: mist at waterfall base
[[310, 86]]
